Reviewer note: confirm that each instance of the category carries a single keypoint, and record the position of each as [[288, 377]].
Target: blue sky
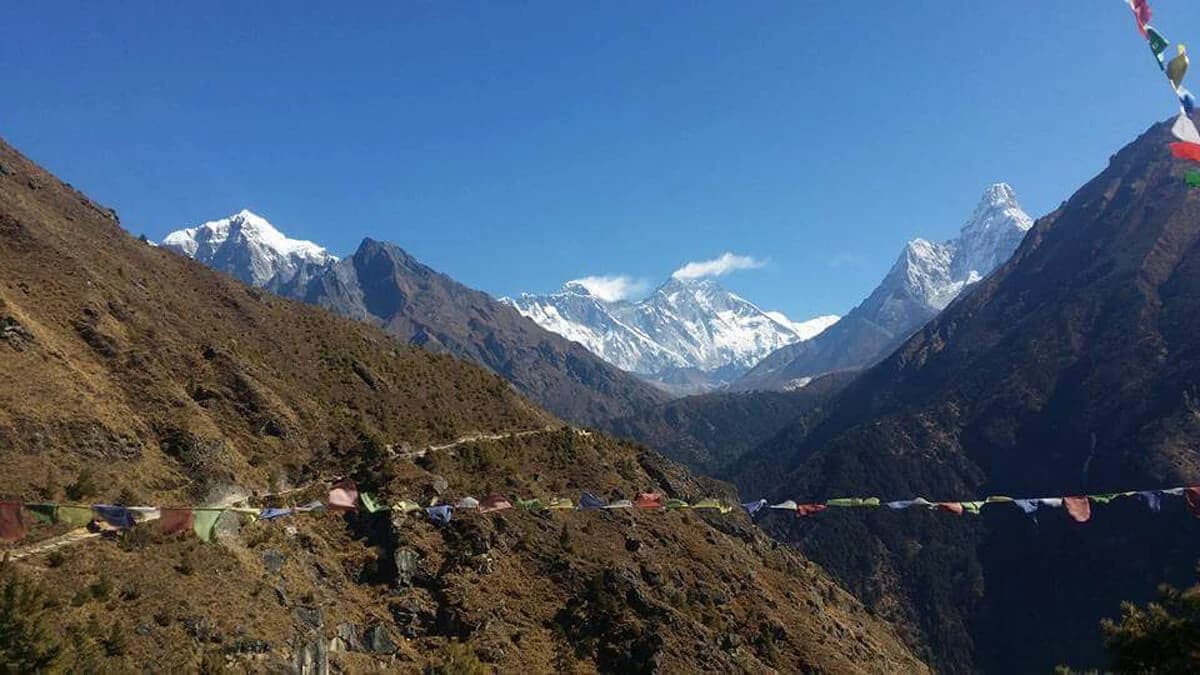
[[518, 145]]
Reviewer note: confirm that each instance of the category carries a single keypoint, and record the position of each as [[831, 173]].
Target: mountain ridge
[[925, 278]]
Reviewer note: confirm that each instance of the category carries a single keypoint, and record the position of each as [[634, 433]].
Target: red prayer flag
[[344, 495], [649, 500], [1141, 14], [1193, 500], [953, 507], [174, 521], [808, 509], [1184, 150], [12, 521], [1079, 508], [494, 503]]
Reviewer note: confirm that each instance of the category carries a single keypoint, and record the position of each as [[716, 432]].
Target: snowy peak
[[247, 246], [686, 323]]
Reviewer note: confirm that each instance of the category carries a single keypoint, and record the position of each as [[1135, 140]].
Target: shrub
[[27, 641], [457, 658], [82, 487], [1162, 637]]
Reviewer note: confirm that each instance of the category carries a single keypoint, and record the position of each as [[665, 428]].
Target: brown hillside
[[170, 383]]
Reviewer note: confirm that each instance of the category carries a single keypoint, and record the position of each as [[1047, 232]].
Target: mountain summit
[[924, 280], [247, 247], [686, 324]]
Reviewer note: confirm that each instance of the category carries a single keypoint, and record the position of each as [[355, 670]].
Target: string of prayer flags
[[12, 521], [494, 503], [439, 515], [649, 500], [344, 495], [590, 502], [1079, 508]]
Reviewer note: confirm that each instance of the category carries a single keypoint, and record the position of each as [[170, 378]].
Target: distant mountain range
[[381, 284], [925, 279], [689, 335]]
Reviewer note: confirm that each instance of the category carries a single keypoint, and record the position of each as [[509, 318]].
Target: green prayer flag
[[43, 512], [75, 516], [998, 499], [534, 504], [407, 506], [971, 507], [676, 504], [205, 522], [1192, 178], [853, 501], [1103, 499], [1158, 43], [369, 503]]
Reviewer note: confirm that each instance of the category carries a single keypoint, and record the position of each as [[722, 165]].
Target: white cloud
[[612, 288], [724, 264]]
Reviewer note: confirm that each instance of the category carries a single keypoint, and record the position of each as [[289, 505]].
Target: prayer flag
[[12, 521], [440, 515], [75, 516], [953, 507], [1158, 45], [343, 495], [1177, 68], [143, 514], [711, 504], [370, 504], [1186, 150], [1185, 130], [1152, 498], [1029, 506], [1079, 508], [787, 505], [494, 503], [116, 516], [1052, 502], [673, 504], [409, 506], [204, 522], [649, 500], [1192, 495], [809, 509], [273, 513], [467, 503], [972, 507], [43, 512], [620, 504], [999, 499], [560, 504], [311, 506], [1141, 13], [754, 507], [174, 521], [1192, 178], [534, 504], [1186, 100], [590, 502]]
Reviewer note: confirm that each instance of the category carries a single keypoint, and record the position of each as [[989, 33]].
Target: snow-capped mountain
[[923, 281], [692, 324], [248, 247]]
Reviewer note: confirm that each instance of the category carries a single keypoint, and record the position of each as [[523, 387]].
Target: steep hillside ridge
[[1072, 369], [383, 284], [135, 375], [710, 433], [924, 280]]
